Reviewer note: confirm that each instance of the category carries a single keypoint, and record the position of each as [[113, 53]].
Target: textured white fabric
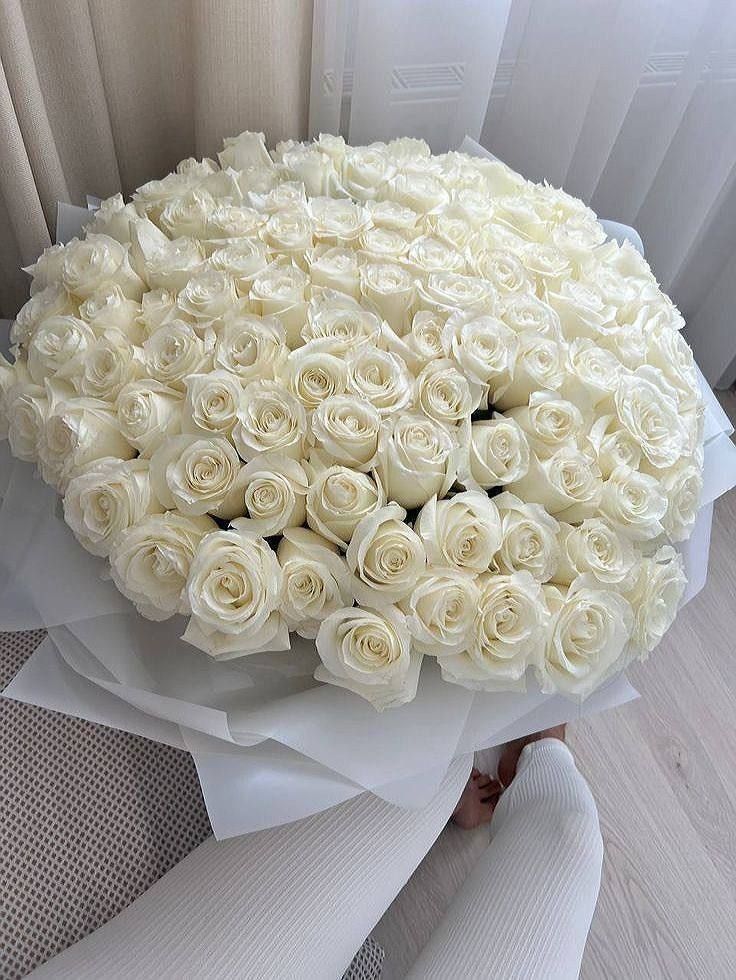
[[525, 912], [285, 903]]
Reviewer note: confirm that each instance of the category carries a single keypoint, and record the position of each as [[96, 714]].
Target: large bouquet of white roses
[[406, 405]]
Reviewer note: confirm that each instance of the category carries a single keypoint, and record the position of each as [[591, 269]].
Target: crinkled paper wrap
[[270, 744]]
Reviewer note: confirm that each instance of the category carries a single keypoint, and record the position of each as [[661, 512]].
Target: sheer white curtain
[[629, 104]]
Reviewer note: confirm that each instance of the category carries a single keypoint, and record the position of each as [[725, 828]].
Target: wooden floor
[[663, 771]]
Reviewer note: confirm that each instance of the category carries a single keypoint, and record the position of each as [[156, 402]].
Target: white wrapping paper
[[270, 744]]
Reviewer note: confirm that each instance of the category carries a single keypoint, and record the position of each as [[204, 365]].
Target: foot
[[478, 801], [512, 750]]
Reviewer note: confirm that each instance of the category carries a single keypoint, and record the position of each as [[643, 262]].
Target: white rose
[[646, 406], [440, 611], [344, 323], [280, 290], [594, 547], [208, 295], [474, 200], [539, 365], [108, 308], [197, 475], [187, 216], [212, 403], [315, 372], [385, 556], [582, 311], [243, 151], [418, 461], [316, 580], [588, 637], [113, 218], [338, 221], [390, 214], [234, 221], [234, 592], [98, 259], [428, 254], [578, 236], [369, 653], [518, 213], [462, 532], [149, 562], [406, 151], [157, 307], [391, 290], [270, 418], [451, 223], [55, 342], [250, 347], [485, 349], [105, 367], [507, 635], [274, 490], [153, 196], [148, 413], [172, 265], [78, 432], [568, 485], [365, 171], [172, 353], [667, 350], [46, 270], [311, 165], [348, 431], [549, 423], [655, 597], [497, 453], [381, 378], [444, 394], [529, 539], [338, 499], [449, 291], [334, 268], [289, 232], [26, 408], [384, 244], [503, 269], [420, 192], [547, 264], [613, 445], [241, 262], [682, 488], [423, 342], [105, 498], [51, 301], [592, 374], [634, 503], [525, 313]]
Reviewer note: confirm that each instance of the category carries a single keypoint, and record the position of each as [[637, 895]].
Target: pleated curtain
[[98, 96], [629, 104]]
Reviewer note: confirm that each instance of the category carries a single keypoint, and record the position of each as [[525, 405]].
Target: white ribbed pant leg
[[525, 912], [289, 903]]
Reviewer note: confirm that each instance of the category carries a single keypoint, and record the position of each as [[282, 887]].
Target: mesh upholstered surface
[[90, 817]]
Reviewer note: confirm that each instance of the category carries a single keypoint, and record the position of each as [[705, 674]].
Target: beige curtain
[[98, 96]]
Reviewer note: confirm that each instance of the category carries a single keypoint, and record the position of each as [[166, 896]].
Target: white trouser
[[525, 911], [291, 902]]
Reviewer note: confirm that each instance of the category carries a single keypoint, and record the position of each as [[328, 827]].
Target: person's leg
[[525, 911], [292, 901]]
